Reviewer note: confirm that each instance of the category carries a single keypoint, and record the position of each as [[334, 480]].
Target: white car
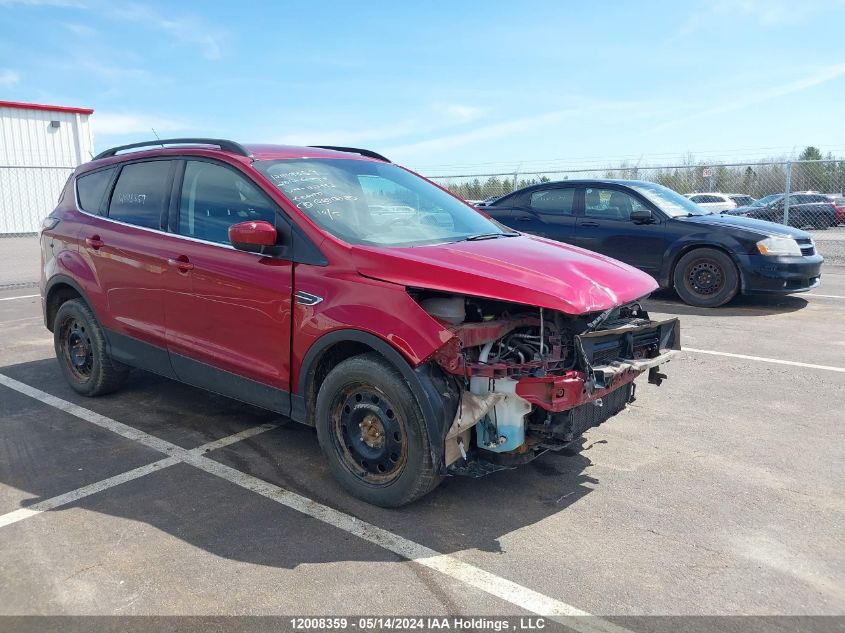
[[718, 202]]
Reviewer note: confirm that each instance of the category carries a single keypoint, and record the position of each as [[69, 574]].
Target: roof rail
[[354, 150], [229, 146]]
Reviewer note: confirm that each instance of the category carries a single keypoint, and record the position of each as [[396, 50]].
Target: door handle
[[524, 218], [590, 224], [181, 263], [95, 242]]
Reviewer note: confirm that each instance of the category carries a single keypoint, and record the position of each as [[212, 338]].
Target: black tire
[[373, 433], [706, 278], [823, 222], [82, 352]]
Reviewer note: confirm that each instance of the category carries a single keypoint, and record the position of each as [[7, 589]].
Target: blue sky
[[445, 87]]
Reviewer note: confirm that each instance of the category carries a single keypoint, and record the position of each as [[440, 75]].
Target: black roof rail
[[229, 146], [354, 150]]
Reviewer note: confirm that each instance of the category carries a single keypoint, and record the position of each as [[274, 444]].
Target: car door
[[228, 328], [606, 227], [554, 210], [123, 240]]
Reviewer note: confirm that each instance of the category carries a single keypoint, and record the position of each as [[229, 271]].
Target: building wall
[[35, 162]]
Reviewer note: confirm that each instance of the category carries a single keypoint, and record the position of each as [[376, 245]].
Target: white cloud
[[118, 123], [185, 28], [459, 113], [821, 76], [64, 4], [8, 77], [502, 129], [82, 30]]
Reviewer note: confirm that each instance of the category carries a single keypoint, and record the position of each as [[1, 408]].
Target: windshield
[[670, 202], [763, 202], [377, 204]]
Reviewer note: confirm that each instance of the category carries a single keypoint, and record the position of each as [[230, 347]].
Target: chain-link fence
[[806, 194]]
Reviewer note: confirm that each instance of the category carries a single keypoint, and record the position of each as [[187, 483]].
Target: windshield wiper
[[488, 236]]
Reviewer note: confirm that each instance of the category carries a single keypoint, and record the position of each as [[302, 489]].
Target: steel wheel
[[705, 277], [77, 349], [369, 434]]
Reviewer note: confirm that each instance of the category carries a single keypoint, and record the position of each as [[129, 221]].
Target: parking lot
[[721, 492]]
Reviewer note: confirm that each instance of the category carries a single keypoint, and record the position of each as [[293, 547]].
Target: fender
[[68, 281], [74, 269], [429, 385]]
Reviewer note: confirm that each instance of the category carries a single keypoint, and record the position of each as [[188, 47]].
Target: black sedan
[[707, 258], [811, 210]]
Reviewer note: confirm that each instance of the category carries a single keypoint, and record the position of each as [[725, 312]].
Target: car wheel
[[373, 433], [706, 278], [823, 222], [82, 352]]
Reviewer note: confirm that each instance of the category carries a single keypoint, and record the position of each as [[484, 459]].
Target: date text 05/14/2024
[[426, 623]]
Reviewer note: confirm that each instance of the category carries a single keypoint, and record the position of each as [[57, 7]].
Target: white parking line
[[763, 359], [21, 297], [490, 583], [813, 294]]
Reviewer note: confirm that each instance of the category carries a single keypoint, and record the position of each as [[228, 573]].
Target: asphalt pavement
[[721, 492]]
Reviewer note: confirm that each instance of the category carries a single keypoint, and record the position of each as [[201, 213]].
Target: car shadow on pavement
[[231, 522], [742, 305]]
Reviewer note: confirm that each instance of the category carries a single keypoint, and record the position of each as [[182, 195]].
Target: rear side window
[[141, 194], [560, 201], [91, 188], [216, 197]]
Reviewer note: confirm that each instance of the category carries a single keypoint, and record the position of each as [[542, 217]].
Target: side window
[[91, 188], [559, 201], [214, 198], [610, 204], [141, 193], [697, 199]]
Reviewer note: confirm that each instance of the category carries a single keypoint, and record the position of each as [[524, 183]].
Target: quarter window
[[141, 193], [559, 201], [216, 197], [91, 188]]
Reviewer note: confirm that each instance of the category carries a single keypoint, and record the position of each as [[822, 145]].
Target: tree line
[[825, 174]]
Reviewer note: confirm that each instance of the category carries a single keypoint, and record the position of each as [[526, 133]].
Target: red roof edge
[[40, 106]]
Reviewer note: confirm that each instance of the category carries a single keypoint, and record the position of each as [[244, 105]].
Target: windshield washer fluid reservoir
[[505, 420]]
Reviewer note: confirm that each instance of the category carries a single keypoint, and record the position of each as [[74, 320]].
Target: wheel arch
[[58, 290], [427, 382]]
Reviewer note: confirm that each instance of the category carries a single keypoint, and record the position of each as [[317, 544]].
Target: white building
[[40, 145]]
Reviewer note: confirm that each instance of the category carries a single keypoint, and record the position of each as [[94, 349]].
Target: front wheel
[[373, 433], [706, 278]]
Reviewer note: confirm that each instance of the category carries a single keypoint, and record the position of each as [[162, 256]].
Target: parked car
[[838, 204], [419, 337], [707, 258], [718, 202], [806, 210]]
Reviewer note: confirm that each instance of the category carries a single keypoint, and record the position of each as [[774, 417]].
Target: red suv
[[420, 337]]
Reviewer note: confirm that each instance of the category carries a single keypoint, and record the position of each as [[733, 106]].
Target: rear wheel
[[373, 433], [81, 349], [706, 278]]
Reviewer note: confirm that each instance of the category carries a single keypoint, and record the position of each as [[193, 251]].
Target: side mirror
[[253, 237], [642, 216]]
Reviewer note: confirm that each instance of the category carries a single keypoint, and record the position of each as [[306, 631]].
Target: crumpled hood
[[526, 269], [753, 225]]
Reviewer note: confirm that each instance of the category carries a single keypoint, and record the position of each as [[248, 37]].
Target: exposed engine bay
[[531, 379]]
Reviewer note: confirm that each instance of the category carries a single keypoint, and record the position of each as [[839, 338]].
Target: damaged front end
[[529, 380]]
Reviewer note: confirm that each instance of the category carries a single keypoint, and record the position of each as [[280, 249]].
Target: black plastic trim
[[437, 411], [227, 146], [353, 150]]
